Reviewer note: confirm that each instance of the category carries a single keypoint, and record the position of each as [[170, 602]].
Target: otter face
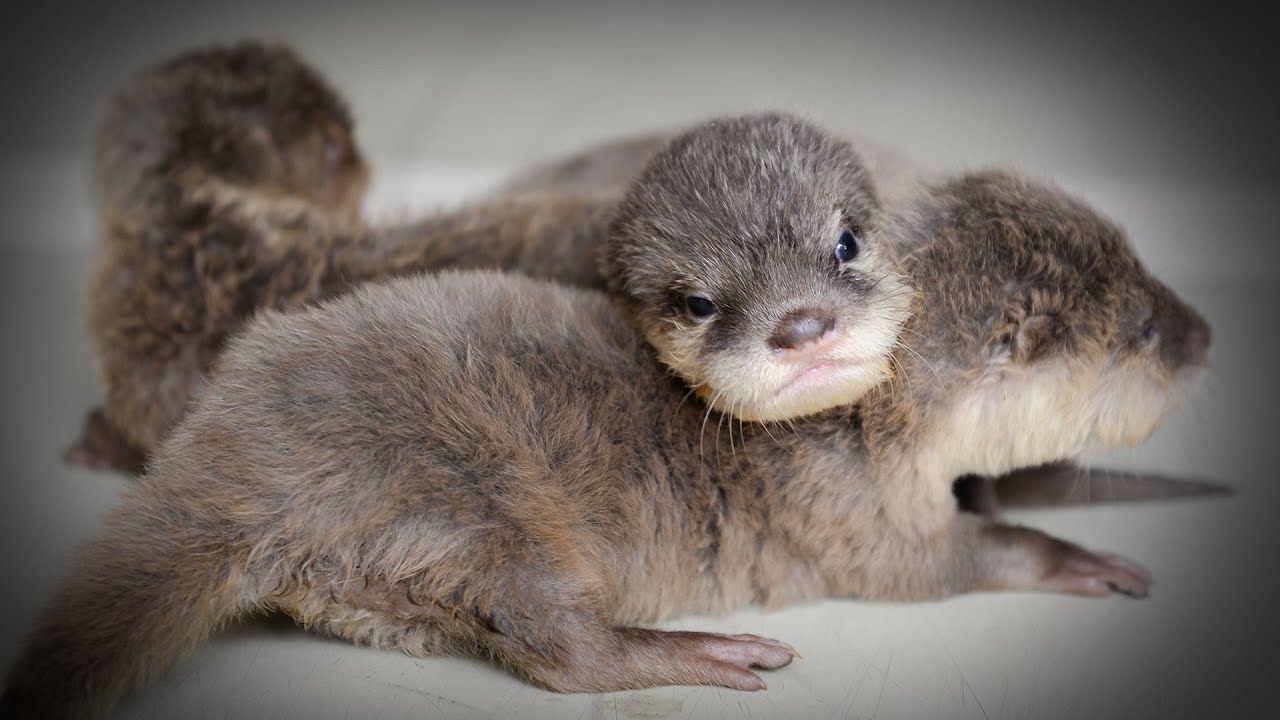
[[261, 117], [1154, 357], [1079, 347], [748, 252], [321, 162]]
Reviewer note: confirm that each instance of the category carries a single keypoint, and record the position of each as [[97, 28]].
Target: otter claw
[[1087, 573]]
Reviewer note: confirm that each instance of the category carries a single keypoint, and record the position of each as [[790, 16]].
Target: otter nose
[[1185, 337], [801, 328], [1198, 337]]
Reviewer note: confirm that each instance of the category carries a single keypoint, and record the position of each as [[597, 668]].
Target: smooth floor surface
[[1203, 645]]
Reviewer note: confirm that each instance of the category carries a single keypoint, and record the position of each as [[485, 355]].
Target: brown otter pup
[[169, 293], [488, 465], [249, 131]]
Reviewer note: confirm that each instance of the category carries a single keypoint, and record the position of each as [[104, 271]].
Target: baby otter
[[248, 131], [741, 252], [490, 465], [737, 190]]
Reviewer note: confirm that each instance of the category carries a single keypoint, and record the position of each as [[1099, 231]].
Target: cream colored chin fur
[[1022, 416], [1028, 415], [845, 388], [748, 384]]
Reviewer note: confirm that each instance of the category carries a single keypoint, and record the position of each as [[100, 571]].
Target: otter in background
[[488, 465], [250, 131], [228, 181]]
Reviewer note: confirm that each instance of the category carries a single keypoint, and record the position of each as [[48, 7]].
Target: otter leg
[[565, 648], [101, 447], [619, 658], [1010, 557], [974, 553]]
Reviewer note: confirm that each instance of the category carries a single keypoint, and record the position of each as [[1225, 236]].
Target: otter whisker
[[742, 432], [703, 429], [765, 424], [902, 344], [882, 278], [691, 391], [719, 433]]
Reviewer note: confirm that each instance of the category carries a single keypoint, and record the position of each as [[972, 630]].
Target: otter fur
[[228, 180], [212, 137], [181, 277], [900, 183], [489, 465]]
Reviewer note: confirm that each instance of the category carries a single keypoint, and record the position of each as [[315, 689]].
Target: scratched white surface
[[449, 101]]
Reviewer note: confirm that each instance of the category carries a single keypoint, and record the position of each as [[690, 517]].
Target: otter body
[[489, 465], [228, 181], [198, 160]]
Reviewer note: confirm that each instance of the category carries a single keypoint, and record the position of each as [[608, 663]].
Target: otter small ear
[[1034, 337]]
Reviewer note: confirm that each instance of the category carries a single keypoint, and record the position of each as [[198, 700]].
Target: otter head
[[746, 252], [1054, 337], [257, 116]]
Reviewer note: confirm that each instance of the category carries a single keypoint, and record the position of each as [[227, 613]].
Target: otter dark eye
[[846, 245], [332, 151], [335, 144], [1149, 333], [699, 306]]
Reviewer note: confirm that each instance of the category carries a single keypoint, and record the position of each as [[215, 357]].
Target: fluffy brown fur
[[900, 184], [494, 466], [170, 292], [228, 180], [747, 215], [191, 149]]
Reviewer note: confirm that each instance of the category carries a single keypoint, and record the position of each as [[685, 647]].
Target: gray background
[[1161, 118]]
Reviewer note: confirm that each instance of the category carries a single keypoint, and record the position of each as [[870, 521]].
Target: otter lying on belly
[[490, 465]]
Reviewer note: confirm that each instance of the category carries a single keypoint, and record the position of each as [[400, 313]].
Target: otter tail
[[1070, 484], [146, 592], [1066, 484]]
